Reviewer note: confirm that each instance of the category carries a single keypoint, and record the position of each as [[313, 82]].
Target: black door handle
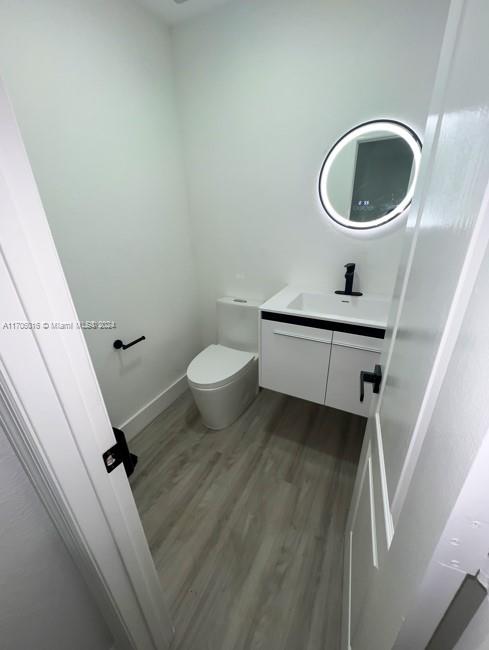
[[374, 378]]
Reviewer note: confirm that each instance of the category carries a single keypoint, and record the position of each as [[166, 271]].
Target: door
[[53, 412], [445, 239]]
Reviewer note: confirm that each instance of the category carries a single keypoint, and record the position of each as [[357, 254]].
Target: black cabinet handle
[[120, 345], [374, 378]]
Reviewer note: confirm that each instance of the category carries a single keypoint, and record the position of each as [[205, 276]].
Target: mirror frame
[[392, 126]]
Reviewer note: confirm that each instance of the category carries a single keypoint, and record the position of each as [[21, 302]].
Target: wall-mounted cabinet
[[317, 363], [294, 359], [350, 354]]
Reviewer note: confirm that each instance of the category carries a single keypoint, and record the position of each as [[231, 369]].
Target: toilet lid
[[217, 365]]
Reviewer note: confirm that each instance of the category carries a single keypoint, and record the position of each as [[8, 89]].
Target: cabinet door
[[343, 390], [294, 360]]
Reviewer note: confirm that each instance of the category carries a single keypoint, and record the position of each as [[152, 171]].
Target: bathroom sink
[[362, 307], [314, 302], [367, 309]]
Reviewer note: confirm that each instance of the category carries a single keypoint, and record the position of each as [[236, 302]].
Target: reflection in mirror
[[369, 175]]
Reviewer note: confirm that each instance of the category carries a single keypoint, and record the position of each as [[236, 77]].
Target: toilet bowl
[[223, 382], [223, 378]]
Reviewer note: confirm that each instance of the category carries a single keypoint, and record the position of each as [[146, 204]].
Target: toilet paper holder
[[119, 345]]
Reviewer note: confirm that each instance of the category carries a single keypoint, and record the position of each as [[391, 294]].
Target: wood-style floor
[[246, 524]]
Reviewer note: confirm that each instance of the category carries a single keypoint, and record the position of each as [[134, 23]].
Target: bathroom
[[187, 160], [181, 150]]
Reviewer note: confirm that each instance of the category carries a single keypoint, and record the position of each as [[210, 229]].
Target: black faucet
[[350, 272]]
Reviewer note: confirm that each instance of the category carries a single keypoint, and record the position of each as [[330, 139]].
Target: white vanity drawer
[[355, 341], [294, 359], [344, 378]]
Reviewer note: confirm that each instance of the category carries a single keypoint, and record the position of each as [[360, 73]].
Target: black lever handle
[[120, 345], [374, 378]]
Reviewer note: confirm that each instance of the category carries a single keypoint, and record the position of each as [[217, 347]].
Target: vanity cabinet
[[350, 354], [318, 363], [294, 359]]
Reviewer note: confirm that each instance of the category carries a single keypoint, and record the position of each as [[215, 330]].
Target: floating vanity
[[314, 346]]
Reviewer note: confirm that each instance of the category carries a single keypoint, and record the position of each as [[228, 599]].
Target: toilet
[[223, 378]]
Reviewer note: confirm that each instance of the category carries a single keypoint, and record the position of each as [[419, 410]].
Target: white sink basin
[[371, 310], [360, 308]]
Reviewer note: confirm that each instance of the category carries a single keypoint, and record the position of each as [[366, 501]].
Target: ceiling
[[173, 12]]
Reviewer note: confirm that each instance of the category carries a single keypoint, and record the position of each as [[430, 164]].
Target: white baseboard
[[136, 423]]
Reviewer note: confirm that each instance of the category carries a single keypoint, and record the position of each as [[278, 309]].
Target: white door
[[446, 236], [54, 414]]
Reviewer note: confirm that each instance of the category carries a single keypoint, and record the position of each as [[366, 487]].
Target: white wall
[[44, 603], [92, 87], [265, 88]]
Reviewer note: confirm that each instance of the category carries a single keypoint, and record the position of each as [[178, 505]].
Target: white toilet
[[223, 378]]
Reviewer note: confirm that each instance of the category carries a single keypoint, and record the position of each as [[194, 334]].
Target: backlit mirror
[[369, 175]]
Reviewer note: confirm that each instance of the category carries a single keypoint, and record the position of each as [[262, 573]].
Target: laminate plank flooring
[[246, 524]]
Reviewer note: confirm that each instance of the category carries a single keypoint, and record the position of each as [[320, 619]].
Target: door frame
[[52, 408]]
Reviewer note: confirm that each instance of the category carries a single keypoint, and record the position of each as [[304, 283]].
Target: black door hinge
[[119, 453]]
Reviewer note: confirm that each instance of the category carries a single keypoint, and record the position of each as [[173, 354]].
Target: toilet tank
[[237, 323]]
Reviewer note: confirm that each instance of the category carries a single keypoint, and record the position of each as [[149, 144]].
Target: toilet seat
[[218, 365]]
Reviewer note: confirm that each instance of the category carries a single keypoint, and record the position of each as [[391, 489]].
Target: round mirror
[[368, 177]]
